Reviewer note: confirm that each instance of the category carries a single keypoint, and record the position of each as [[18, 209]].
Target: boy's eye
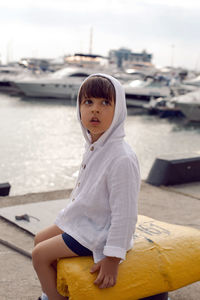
[[88, 101], [106, 102]]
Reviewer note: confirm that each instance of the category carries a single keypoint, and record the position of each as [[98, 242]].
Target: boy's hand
[[107, 269]]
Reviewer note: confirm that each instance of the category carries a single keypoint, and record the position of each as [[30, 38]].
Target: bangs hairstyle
[[97, 87]]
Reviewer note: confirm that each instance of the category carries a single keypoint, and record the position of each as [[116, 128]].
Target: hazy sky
[[169, 29]]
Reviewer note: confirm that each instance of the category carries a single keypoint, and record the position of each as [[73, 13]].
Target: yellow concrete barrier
[[165, 257]]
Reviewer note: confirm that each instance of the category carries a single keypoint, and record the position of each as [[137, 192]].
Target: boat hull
[[191, 111], [62, 91]]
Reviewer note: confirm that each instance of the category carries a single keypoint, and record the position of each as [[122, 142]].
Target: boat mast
[[91, 40]]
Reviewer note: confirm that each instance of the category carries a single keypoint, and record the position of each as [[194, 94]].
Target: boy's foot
[[47, 298], [43, 297]]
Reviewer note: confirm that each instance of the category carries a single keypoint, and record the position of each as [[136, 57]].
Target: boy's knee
[[37, 256], [34, 256], [37, 239]]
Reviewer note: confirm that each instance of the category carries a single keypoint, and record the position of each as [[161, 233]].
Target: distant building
[[126, 58], [85, 60]]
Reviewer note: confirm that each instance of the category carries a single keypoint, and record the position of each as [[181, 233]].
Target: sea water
[[41, 143]]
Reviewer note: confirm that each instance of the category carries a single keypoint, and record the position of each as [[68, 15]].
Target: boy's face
[[96, 115]]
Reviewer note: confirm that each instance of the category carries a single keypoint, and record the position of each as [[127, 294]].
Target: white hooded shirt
[[102, 212]]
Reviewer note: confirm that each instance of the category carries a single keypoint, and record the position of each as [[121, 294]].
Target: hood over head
[[116, 129]]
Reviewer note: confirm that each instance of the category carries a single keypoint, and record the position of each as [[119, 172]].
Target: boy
[[101, 216]]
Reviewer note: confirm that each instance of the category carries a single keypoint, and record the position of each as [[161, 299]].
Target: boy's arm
[[123, 184], [124, 181], [107, 269]]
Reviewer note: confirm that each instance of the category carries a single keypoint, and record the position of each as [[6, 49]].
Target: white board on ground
[[41, 214]]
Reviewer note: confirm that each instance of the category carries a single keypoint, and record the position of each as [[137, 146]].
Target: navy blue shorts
[[75, 246]]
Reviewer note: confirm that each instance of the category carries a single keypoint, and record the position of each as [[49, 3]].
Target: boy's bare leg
[[44, 254], [47, 233]]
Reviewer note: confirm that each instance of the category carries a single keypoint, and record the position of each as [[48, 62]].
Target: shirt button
[[84, 166], [73, 199], [92, 148], [79, 184]]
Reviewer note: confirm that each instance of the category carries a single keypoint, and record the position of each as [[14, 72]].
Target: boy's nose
[[95, 111], [95, 108]]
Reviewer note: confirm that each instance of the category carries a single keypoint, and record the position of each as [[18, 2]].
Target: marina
[[42, 145], [48, 48]]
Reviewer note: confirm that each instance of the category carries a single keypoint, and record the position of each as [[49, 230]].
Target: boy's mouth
[[95, 120]]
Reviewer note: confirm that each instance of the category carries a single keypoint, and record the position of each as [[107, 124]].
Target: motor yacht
[[194, 81], [141, 92], [8, 74], [189, 104], [63, 83]]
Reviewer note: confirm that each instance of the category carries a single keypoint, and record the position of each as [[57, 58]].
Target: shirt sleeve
[[123, 186]]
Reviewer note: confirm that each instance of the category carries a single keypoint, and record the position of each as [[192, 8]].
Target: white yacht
[[139, 92], [61, 84], [10, 73], [189, 105], [194, 81]]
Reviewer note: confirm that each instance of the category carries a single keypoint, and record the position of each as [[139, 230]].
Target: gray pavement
[[178, 205]]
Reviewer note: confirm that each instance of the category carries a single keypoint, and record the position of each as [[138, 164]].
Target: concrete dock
[[175, 204]]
